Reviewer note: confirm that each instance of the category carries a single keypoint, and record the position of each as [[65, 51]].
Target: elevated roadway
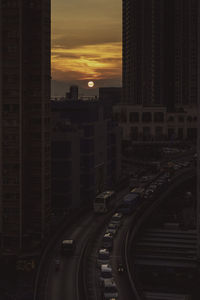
[[159, 198]]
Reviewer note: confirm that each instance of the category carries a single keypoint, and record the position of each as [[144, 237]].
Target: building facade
[[160, 52], [141, 123], [110, 95], [66, 140], [100, 148], [24, 117]]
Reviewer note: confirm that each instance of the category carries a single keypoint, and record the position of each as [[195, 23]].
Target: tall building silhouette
[[24, 122], [160, 52]]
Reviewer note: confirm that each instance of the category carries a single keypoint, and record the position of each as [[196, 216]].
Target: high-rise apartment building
[[160, 52], [24, 122]]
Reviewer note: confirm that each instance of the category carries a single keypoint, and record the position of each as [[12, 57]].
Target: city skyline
[[86, 44]]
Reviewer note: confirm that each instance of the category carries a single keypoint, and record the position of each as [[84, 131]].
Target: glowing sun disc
[[90, 84]]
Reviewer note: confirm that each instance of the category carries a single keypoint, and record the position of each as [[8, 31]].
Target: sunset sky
[[86, 44]]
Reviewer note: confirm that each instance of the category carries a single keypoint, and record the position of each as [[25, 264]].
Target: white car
[[112, 231]]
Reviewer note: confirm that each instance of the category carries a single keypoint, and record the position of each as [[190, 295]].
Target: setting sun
[[90, 84]]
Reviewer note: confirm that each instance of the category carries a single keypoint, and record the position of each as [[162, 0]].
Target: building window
[[134, 117], [117, 117], [171, 133], [159, 117], [146, 117], [87, 146], [180, 133], [189, 119], [159, 132], [61, 169], [181, 119], [146, 133], [134, 133], [61, 186], [6, 107], [171, 119], [192, 133], [123, 116], [89, 130], [61, 149]]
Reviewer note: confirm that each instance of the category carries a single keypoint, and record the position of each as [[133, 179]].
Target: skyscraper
[[160, 52], [24, 122]]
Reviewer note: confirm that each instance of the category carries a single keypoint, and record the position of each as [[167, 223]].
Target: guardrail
[[137, 223]]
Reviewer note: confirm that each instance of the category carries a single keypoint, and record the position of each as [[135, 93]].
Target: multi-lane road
[[65, 283]]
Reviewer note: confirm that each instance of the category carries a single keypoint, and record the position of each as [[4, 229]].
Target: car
[[112, 231], [160, 183], [107, 241], [177, 167], [150, 191], [105, 273], [144, 179], [117, 219], [103, 256], [109, 289], [153, 186], [161, 180], [112, 225], [112, 228]]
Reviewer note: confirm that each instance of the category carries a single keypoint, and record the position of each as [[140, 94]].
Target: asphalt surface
[[62, 283]]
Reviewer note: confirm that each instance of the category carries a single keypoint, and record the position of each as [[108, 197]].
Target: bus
[[129, 203], [102, 202]]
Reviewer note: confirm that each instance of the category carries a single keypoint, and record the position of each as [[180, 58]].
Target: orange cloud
[[100, 61]]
